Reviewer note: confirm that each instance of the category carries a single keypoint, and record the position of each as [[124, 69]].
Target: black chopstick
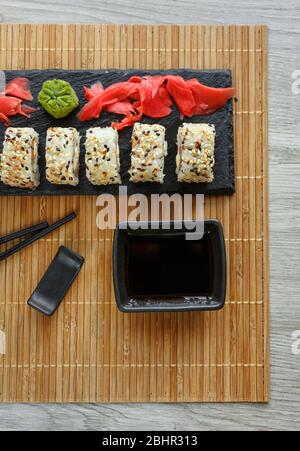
[[36, 237], [13, 236]]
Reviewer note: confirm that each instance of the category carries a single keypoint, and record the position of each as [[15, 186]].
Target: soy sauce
[[169, 266]]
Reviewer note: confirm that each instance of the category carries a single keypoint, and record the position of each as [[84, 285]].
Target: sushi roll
[[62, 156], [19, 158], [102, 157], [196, 148], [149, 149]]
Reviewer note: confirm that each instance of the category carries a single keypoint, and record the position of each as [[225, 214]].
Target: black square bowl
[[158, 270]]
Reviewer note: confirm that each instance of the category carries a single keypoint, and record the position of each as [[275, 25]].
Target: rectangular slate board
[[40, 121]]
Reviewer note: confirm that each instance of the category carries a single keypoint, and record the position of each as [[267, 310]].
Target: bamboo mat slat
[[89, 351]]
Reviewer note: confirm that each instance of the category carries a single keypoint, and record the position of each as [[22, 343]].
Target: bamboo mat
[[89, 351]]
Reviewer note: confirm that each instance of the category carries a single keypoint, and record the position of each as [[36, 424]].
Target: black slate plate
[[40, 121]]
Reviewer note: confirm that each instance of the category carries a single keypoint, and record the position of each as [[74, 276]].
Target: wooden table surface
[[283, 413]]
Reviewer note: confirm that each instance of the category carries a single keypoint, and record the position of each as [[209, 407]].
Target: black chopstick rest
[[56, 281]]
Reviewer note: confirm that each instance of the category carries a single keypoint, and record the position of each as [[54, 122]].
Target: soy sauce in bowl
[[158, 269], [169, 266]]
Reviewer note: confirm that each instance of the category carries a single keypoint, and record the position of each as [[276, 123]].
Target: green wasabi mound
[[58, 98]]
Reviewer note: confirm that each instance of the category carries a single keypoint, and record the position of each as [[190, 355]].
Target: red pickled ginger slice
[[207, 99], [130, 119], [118, 92], [164, 95], [19, 87], [95, 90], [135, 79], [11, 106], [6, 121], [125, 107], [111, 99], [91, 110], [26, 110], [181, 94], [152, 104]]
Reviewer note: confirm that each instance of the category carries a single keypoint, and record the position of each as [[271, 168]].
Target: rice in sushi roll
[[102, 157], [19, 159], [149, 149], [62, 156], [195, 158]]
